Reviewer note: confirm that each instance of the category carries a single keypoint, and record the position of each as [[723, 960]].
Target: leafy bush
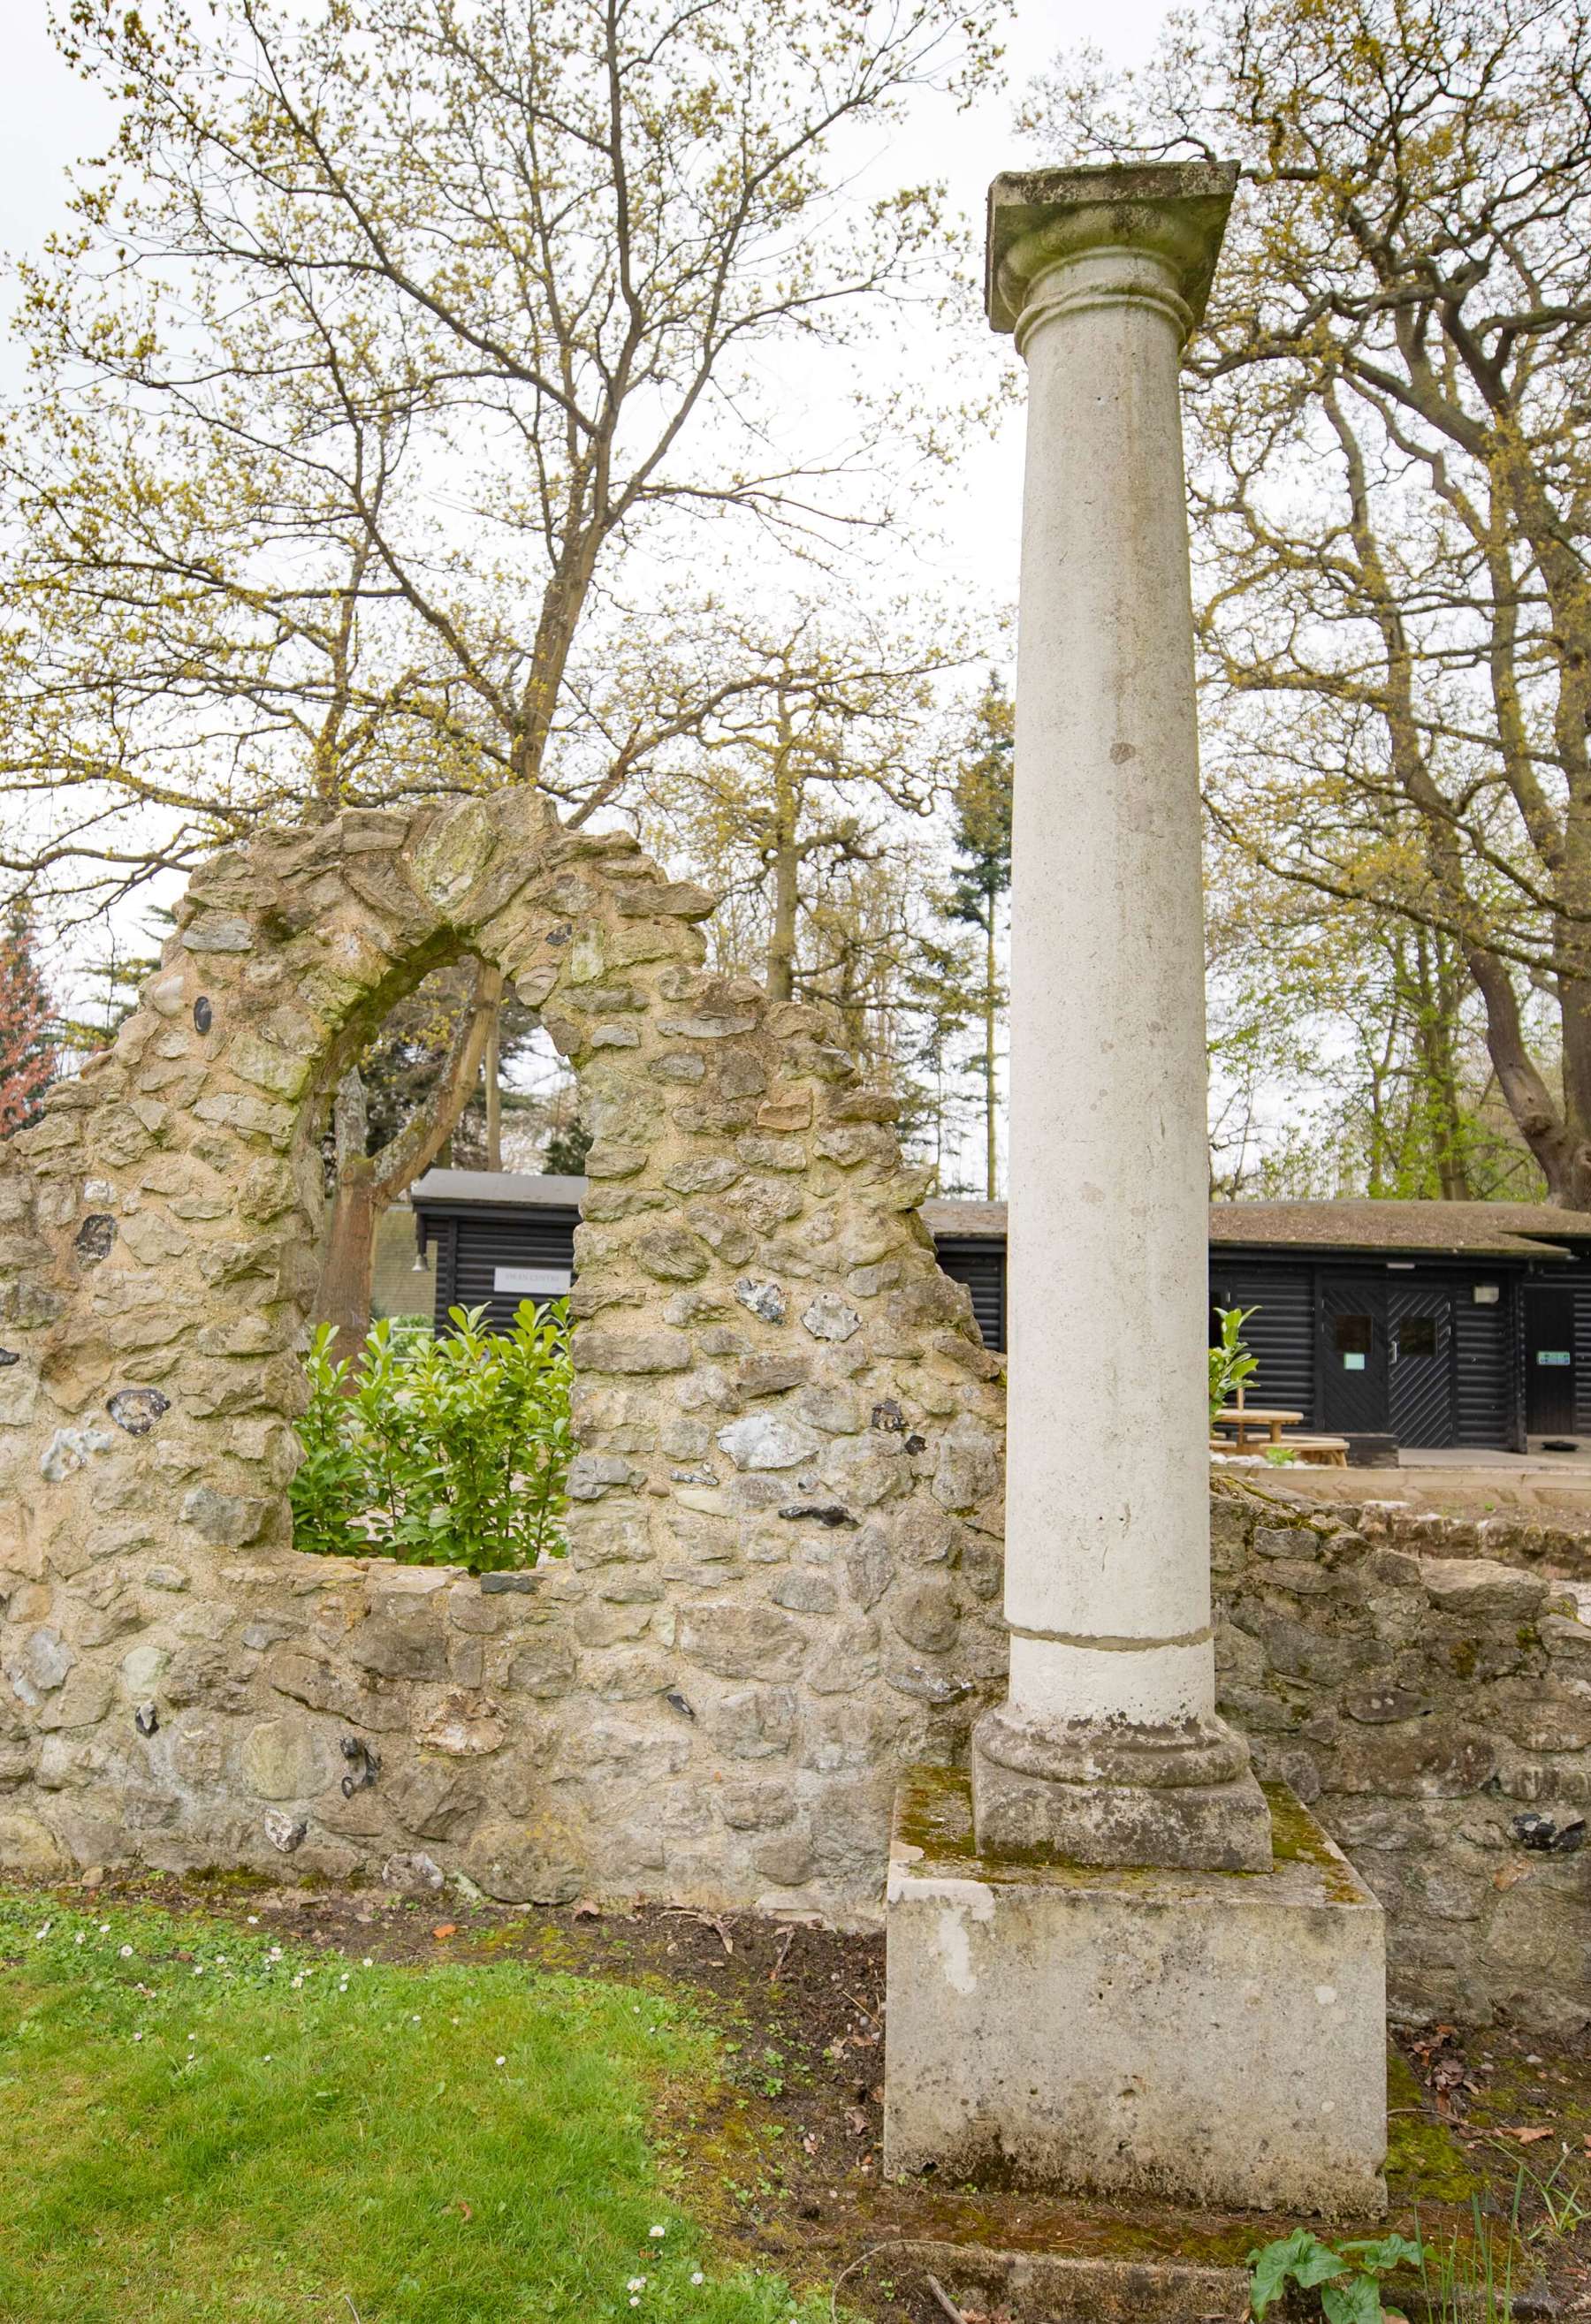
[[449, 1451], [1230, 1362]]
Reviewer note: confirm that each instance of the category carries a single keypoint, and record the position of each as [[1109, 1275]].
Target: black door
[[1550, 1360], [1353, 1357], [1419, 1365]]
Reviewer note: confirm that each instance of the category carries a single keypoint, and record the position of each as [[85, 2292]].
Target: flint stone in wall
[[966, 1470], [925, 1613], [286, 1758], [765, 1440], [434, 1803], [227, 1520], [758, 1724], [43, 1664], [671, 1255], [317, 1683], [543, 1667], [828, 1317], [742, 1641], [70, 1449]]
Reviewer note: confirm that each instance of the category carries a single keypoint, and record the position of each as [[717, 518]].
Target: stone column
[[1108, 1751]]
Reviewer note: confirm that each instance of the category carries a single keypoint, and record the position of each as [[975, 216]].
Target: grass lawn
[[200, 2126]]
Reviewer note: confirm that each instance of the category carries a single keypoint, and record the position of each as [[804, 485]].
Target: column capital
[[1172, 213]]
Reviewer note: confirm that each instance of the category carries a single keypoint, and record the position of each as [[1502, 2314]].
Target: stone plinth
[[1196, 2036]]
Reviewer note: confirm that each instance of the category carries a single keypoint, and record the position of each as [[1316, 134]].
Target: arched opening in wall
[[450, 1446]]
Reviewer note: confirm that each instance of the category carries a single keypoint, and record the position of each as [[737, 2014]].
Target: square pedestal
[[1203, 2037]]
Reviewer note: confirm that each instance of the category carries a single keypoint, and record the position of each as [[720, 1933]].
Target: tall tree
[[980, 878], [829, 739], [388, 336], [1391, 479]]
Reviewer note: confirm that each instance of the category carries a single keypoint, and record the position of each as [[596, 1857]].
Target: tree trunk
[[347, 1266], [365, 1187], [991, 1138], [786, 867], [494, 1091]]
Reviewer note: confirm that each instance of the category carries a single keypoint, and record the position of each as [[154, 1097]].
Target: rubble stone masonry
[[783, 1584]]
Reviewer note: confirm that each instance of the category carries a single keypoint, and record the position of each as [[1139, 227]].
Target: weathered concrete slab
[[1199, 2036]]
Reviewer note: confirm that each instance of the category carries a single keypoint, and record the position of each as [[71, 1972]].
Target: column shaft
[[1109, 1747]]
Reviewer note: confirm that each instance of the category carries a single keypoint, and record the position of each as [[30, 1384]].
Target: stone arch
[[783, 1573]]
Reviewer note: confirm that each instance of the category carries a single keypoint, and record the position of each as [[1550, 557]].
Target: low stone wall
[[548, 1734], [1435, 1711], [618, 1730]]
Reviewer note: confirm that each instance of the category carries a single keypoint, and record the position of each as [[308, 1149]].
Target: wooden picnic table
[[1265, 1423]]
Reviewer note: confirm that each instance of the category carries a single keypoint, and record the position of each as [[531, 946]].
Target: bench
[[1321, 1452]]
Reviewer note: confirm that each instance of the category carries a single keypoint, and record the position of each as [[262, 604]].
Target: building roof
[[1469, 1230], [1464, 1229], [506, 1189], [979, 1221]]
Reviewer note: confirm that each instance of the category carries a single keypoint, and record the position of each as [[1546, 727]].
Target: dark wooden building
[[498, 1236], [1435, 1324]]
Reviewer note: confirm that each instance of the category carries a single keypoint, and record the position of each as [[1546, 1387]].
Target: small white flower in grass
[[637, 2283], [137, 2037], [415, 2019], [657, 2231], [697, 2276], [266, 2059], [199, 1970], [502, 2061], [367, 1962], [40, 1934], [253, 1920], [126, 1953], [297, 1981], [79, 1939], [104, 1928]]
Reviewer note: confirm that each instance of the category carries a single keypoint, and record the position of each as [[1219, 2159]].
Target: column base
[[1105, 1793], [1191, 2036]]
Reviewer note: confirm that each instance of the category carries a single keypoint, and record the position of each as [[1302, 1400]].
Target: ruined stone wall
[[783, 1584], [783, 1575], [1435, 1712]]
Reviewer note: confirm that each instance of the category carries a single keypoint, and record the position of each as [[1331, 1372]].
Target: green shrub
[[1230, 1362], [447, 1450]]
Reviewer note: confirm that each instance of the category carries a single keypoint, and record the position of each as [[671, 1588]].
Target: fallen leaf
[[855, 2122], [447, 1929], [1527, 2135], [587, 1911], [463, 2210]]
